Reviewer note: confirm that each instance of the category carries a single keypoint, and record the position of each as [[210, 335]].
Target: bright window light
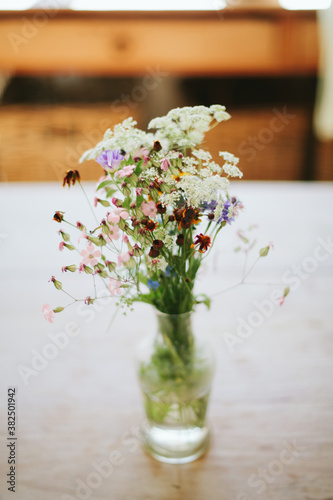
[[112, 5], [305, 4], [148, 5], [16, 4]]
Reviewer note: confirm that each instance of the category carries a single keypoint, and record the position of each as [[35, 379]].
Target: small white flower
[[228, 157], [232, 170]]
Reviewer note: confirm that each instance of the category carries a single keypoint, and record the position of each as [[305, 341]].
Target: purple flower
[[209, 206], [110, 160], [226, 216], [152, 285]]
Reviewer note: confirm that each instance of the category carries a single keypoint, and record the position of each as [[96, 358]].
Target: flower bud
[[65, 236], [105, 203], [58, 309], [57, 284], [154, 194], [112, 266]]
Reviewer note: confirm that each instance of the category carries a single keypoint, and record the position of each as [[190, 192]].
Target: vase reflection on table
[[175, 370]]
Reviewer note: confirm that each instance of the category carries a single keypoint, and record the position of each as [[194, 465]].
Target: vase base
[[174, 445]]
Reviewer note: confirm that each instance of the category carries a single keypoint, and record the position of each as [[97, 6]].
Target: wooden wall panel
[[263, 43]]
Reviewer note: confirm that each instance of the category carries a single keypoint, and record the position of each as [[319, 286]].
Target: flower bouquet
[[157, 189]]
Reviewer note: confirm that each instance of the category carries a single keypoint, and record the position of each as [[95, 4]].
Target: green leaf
[[139, 200], [138, 169], [127, 203], [204, 299], [108, 182], [110, 192]]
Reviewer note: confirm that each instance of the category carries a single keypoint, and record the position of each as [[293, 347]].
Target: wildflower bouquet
[[156, 188]]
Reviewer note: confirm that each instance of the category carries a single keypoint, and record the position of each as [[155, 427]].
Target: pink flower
[[114, 233], [142, 153], [125, 238], [114, 217], [48, 313], [126, 171], [165, 164], [96, 200], [81, 268], [123, 258], [139, 191], [116, 201], [82, 235], [114, 287], [149, 209], [90, 255], [61, 246]]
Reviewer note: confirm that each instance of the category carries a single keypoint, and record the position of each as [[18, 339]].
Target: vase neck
[[175, 333]]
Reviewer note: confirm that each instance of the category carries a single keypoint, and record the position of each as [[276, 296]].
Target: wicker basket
[[39, 143]]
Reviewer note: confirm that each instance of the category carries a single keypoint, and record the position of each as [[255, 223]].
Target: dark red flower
[[161, 209], [153, 252], [180, 240], [58, 216], [157, 146], [151, 225], [203, 241], [186, 216], [71, 177], [158, 244]]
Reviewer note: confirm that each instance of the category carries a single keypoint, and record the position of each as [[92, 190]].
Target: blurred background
[[71, 69]]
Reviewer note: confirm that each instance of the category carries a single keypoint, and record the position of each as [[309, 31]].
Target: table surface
[[79, 408]]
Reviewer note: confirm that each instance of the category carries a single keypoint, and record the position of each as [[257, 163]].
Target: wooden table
[[78, 408]]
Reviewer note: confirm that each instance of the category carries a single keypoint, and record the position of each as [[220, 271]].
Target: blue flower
[[152, 285], [110, 160], [168, 272]]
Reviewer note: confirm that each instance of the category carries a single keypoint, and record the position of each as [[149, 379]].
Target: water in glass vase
[[175, 374]]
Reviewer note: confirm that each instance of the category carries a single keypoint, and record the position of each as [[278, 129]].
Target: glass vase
[[175, 370]]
